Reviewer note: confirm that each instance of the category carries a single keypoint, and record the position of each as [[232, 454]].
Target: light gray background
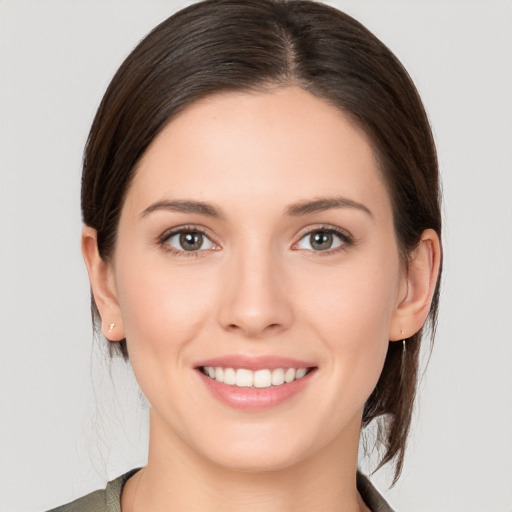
[[66, 428]]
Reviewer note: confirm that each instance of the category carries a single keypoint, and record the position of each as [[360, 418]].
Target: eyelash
[[164, 238], [346, 240]]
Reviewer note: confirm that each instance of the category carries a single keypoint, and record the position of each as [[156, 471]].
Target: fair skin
[[268, 274]]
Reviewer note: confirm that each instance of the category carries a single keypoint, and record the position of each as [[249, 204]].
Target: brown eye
[[189, 241], [323, 240]]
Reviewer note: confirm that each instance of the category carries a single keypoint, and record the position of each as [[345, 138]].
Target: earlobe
[[103, 287], [421, 280]]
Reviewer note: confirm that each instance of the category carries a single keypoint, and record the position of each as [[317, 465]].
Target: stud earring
[[111, 327]]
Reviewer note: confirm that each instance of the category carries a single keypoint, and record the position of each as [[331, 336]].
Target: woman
[[262, 236]]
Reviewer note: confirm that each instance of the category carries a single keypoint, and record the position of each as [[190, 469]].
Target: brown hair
[[236, 45]]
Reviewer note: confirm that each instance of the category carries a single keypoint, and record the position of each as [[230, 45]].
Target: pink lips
[[251, 398]]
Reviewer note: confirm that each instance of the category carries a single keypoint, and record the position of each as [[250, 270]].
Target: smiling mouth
[[264, 378]]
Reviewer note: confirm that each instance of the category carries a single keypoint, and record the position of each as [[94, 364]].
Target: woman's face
[[256, 238]]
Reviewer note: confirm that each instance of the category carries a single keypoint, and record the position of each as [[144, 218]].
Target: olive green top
[[109, 499]]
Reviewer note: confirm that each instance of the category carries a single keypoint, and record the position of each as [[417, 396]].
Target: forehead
[[251, 148]]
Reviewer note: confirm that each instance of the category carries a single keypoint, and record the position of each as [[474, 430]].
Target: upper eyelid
[[168, 233], [347, 239], [299, 236], [323, 227], [187, 228], [162, 242]]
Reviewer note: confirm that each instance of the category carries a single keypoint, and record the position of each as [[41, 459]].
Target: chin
[[257, 450], [253, 460]]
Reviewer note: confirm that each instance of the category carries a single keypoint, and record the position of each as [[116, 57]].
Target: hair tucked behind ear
[[240, 45]]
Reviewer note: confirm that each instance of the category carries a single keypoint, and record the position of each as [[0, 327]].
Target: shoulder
[[104, 500], [93, 502], [370, 495]]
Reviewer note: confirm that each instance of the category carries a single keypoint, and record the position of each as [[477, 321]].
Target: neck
[[177, 478]]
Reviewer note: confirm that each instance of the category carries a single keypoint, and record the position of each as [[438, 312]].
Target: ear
[[418, 289], [101, 277]]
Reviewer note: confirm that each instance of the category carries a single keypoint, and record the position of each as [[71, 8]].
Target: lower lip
[[255, 398]]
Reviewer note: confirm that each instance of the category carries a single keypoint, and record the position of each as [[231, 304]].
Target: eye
[[322, 240], [189, 241]]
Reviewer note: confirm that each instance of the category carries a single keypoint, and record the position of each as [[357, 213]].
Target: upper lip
[[254, 362]]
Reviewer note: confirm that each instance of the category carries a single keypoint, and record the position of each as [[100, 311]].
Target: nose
[[255, 302]]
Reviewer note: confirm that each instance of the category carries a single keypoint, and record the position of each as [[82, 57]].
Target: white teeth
[[244, 378], [278, 377], [265, 378], [229, 376], [289, 375], [262, 379], [219, 374], [300, 373]]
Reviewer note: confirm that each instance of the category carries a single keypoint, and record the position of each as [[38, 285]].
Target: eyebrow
[[324, 203], [298, 209], [185, 206]]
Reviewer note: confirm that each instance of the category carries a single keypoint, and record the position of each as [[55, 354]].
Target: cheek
[[351, 309], [356, 297], [164, 310], [162, 307]]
